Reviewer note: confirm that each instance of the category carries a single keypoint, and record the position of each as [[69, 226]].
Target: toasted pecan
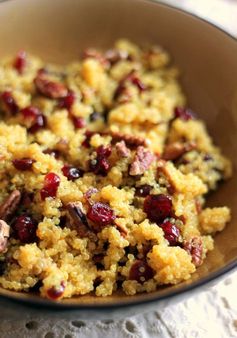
[[10, 204], [80, 221]]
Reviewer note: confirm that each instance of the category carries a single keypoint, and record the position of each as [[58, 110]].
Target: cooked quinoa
[[104, 173]]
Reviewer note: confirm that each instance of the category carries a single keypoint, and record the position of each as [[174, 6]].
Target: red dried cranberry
[[71, 173], [9, 102], [23, 164], [158, 207], [184, 114], [140, 271], [20, 61], [101, 166], [51, 184], [101, 214], [171, 232], [56, 292], [38, 120], [67, 101], [30, 112], [138, 83], [25, 228], [143, 190], [119, 90], [88, 136], [52, 152], [78, 122]]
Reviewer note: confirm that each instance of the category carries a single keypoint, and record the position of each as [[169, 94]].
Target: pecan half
[[141, 162], [175, 150], [49, 88], [4, 235], [130, 140], [80, 221], [10, 204], [122, 150], [194, 247]]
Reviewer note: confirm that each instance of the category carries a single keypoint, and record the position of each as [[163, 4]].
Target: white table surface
[[210, 314]]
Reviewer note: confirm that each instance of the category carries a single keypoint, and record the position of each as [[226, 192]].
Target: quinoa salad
[[104, 175]]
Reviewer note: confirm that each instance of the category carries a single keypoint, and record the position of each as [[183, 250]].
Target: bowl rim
[[42, 303]]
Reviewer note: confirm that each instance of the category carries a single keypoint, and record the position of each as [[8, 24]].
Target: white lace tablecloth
[[210, 314]]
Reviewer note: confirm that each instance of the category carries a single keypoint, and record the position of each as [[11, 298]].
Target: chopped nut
[[48, 88], [194, 247], [9, 206], [130, 140], [79, 220], [4, 235], [122, 150], [141, 162], [175, 150]]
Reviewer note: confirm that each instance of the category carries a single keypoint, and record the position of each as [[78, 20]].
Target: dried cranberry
[[184, 114], [20, 61], [67, 101], [52, 152], [30, 112], [101, 214], [78, 122], [51, 184], [38, 120], [119, 90], [9, 102], [71, 173], [138, 83], [158, 207], [143, 190], [25, 228], [171, 232], [101, 165], [23, 164], [56, 292], [88, 136], [140, 271]]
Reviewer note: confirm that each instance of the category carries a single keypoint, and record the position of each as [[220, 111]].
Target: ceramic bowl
[[59, 30]]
